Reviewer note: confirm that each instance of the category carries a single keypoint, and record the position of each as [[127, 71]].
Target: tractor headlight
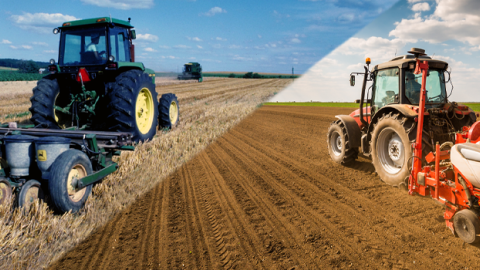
[[52, 61], [111, 58], [56, 31]]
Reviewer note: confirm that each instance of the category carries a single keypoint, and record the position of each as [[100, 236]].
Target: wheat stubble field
[[207, 110]]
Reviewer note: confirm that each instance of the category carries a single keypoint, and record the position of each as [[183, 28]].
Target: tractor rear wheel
[[133, 106], [391, 150], [169, 111], [46, 95], [338, 146], [66, 170], [467, 226]]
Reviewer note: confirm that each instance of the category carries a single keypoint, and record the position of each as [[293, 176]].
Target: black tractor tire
[[45, 95], [169, 111], [70, 166], [467, 226], [391, 149], [30, 192], [132, 105], [338, 145]]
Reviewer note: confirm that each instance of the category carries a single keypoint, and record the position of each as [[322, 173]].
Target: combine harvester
[[96, 102], [388, 130], [191, 71]]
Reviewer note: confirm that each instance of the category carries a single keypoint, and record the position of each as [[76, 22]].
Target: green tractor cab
[[97, 85]]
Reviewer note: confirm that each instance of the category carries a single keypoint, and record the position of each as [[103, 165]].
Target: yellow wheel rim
[[55, 112], [173, 112], [75, 174], [31, 196], [144, 111], [5, 193], [59, 116]]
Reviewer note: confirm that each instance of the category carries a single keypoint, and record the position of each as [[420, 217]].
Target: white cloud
[[452, 20], [164, 47], [421, 7], [259, 36], [148, 49], [200, 47], [40, 22], [377, 48], [220, 39], [414, 1], [241, 58], [214, 10], [21, 47], [40, 43], [168, 57], [147, 37], [4, 41], [235, 46], [295, 40], [120, 4], [182, 47], [194, 38]]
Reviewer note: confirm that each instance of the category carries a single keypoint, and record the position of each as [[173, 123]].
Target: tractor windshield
[[435, 87], [84, 46]]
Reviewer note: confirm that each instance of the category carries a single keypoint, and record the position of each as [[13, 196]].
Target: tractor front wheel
[[71, 166], [391, 150], [133, 106], [169, 111], [338, 146]]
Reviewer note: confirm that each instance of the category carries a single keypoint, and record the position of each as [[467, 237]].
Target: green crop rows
[[6, 75]]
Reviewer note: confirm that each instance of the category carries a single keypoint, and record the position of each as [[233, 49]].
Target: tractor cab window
[[83, 46], [119, 45], [386, 87], [435, 87]]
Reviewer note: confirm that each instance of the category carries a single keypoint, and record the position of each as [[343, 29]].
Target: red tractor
[[440, 160], [387, 127]]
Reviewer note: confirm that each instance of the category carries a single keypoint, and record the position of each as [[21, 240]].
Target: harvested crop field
[[267, 196], [36, 238]]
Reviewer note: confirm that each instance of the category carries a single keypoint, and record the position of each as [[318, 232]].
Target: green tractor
[[97, 85], [191, 71]]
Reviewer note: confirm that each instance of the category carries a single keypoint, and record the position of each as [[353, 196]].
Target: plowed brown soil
[[267, 196]]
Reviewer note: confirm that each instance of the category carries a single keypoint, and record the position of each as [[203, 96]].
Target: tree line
[[24, 66]]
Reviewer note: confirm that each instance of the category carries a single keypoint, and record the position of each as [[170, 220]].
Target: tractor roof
[[96, 21], [404, 60], [192, 63]]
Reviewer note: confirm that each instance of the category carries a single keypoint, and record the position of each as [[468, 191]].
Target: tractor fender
[[353, 130]]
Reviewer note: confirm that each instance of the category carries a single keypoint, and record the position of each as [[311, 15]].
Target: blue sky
[[259, 36], [448, 30]]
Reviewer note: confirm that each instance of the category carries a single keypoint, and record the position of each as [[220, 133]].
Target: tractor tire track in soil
[[267, 195]]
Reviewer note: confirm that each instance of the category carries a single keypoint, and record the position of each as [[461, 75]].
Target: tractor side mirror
[[352, 80], [133, 35]]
